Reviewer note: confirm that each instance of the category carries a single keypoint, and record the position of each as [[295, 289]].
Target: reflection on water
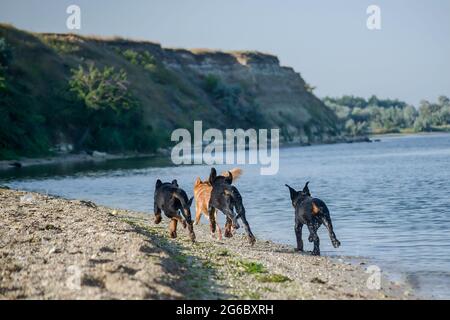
[[389, 200]]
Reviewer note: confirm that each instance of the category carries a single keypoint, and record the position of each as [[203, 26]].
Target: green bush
[[108, 115], [158, 72], [144, 59], [101, 89], [211, 83]]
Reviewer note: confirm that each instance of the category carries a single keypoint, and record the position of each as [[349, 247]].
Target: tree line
[[359, 116]]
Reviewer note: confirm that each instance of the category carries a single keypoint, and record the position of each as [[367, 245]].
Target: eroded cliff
[[173, 87]]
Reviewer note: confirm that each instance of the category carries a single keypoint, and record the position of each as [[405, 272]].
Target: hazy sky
[[326, 41]]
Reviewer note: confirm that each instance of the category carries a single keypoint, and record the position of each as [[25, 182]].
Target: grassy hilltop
[[119, 95]]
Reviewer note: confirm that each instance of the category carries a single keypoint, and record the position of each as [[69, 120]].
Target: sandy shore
[[53, 248]]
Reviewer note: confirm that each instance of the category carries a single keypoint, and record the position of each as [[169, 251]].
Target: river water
[[389, 200]]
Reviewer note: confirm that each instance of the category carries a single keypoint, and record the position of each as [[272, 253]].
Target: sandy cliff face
[[279, 91]]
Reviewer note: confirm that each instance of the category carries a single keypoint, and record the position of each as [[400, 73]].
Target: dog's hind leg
[[313, 237], [251, 237], [158, 217], [173, 228], [326, 220], [212, 219], [228, 233], [187, 222], [198, 212], [298, 234], [219, 231], [181, 220]]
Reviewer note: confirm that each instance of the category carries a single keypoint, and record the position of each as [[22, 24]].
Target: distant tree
[[433, 115], [409, 115], [444, 101], [355, 128], [360, 115], [374, 114], [422, 124], [373, 100], [342, 112]]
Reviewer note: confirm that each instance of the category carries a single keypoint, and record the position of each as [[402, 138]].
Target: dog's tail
[[197, 181], [235, 172]]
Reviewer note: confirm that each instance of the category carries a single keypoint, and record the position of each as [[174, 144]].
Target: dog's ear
[[229, 177], [306, 189], [197, 181], [158, 183], [212, 175], [293, 193], [190, 202], [175, 182]]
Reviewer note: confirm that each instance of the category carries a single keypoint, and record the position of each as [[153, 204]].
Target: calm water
[[389, 200]]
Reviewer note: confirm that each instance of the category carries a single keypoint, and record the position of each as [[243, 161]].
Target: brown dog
[[202, 194]]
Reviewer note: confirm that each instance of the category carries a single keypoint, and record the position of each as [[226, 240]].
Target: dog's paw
[[251, 240], [336, 243], [157, 219], [173, 235], [315, 253], [184, 224]]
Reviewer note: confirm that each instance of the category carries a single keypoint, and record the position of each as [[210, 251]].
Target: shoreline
[[97, 157], [69, 159], [101, 157], [54, 248]]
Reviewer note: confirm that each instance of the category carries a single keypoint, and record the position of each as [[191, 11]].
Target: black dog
[[226, 197], [312, 212], [171, 199]]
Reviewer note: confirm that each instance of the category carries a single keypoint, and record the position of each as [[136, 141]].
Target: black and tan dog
[[171, 199], [226, 198], [311, 212]]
